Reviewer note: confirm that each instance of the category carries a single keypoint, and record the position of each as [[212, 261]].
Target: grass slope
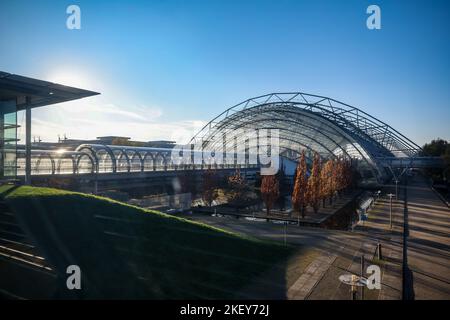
[[128, 252]]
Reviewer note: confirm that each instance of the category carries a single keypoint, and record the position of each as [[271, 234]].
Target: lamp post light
[[378, 193], [354, 282], [390, 195]]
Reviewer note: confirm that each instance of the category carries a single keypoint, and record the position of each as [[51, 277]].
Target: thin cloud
[[80, 120], [80, 128]]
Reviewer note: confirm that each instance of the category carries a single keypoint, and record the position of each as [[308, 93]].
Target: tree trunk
[[316, 208]]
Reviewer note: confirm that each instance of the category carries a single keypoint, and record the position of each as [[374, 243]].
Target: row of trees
[[323, 182], [438, 148]]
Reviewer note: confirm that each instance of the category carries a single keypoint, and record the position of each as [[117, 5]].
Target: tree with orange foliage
[[326, 181], [334, 179], [299, 200], [313, 187], [339, 178], [270, 191]]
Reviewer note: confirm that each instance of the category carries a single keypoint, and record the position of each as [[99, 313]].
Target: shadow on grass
[[129, 253], [6, 189]]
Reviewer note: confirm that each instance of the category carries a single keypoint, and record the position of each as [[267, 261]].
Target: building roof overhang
[[39, 92]]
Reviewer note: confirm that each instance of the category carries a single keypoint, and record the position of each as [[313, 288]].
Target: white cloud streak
[[77, 120]]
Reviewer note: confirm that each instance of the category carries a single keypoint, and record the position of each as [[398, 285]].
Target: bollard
[[380, 256]]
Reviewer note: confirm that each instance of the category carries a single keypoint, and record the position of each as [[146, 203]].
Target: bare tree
[[270, 191], [210, 183], [187, 182], [237, 189], [284, 187]]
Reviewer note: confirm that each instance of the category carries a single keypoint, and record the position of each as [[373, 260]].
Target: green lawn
[[4, 188], [126, 251]]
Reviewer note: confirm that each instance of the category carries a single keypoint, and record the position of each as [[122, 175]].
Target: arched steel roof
[[312, 122]]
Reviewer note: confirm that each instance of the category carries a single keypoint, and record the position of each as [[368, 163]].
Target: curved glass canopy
[[312, 123]]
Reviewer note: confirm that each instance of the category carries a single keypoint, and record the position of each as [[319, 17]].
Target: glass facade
[[8, 140]]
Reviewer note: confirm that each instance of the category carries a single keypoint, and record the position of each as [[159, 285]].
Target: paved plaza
[[331, 253]]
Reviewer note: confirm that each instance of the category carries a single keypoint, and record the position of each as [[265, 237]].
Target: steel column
[[28, 142]]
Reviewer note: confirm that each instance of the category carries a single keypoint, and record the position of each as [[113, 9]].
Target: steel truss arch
[[323, 122]]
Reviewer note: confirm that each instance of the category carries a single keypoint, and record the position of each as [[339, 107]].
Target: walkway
[[428, 254], [378, 228], [427, 272]]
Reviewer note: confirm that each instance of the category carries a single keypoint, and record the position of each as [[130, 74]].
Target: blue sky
[[164, 68]]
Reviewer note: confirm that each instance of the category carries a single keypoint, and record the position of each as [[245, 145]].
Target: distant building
[[117, 140], [72, 144], [161, 144]]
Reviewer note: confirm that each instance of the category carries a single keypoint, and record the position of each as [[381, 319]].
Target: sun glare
[[70, 78]]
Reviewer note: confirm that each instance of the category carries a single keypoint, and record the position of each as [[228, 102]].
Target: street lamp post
[[390, 195], [362, 276], [354, 282], [396, 188]]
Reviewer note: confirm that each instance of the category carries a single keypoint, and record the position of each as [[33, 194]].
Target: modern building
[[19, 93], [313, 123]]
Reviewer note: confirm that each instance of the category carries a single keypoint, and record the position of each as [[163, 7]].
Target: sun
[[73, 78]]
